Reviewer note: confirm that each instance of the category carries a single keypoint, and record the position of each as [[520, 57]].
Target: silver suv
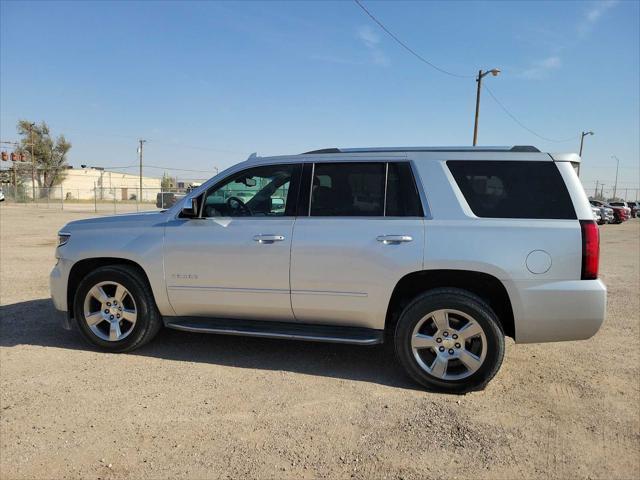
[[442, 251]]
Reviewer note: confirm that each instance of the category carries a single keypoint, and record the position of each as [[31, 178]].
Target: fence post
[[61, 197]]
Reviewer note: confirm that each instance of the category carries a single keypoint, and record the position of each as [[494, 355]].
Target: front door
[[233, 262], [364, 231]]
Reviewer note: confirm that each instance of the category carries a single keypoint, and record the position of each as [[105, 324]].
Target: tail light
[[590, 249]]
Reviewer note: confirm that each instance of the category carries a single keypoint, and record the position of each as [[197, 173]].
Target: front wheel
[[115, 309], [449, 340]]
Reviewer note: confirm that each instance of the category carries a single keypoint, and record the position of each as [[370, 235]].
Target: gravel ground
[[205, 406]]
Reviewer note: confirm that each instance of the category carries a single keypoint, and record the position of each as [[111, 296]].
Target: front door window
[[256, 192]]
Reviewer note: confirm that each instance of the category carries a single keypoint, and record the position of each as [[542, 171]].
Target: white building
[[89, 183]]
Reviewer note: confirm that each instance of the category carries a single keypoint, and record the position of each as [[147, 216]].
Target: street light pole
[[615, 186], [584, 134], [495, 72], [142, 142]]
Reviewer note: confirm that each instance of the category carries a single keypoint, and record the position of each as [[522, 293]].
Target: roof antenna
[[252, 156]]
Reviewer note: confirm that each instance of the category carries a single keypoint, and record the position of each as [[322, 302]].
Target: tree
[[49, 155], [168, 182]]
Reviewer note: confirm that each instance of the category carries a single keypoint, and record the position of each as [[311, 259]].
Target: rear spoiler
[[565, 157]]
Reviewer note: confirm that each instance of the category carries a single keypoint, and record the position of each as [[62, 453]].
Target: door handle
[[394, 239], [268, 238]]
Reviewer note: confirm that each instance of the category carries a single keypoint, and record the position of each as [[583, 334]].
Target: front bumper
[[58, 280], [559, 311]]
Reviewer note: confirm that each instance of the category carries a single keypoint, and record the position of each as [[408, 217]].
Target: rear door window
[[513, 189], [402, 193], [348, 190]]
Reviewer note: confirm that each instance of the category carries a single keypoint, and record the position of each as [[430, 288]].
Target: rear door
[[360, 231]]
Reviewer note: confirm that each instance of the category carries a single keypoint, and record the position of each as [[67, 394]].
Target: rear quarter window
[[513, 189]]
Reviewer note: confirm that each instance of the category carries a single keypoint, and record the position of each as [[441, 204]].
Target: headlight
[[63, 238]]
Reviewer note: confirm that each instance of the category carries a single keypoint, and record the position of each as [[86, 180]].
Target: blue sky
[[207, 83]]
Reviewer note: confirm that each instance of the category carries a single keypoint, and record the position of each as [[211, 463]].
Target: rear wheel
[[449, 340], [115, 309]]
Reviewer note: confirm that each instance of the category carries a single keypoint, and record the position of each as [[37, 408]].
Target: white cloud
[[593, 14], [586, 22], [541, 68], [371, 40], [368, 36]]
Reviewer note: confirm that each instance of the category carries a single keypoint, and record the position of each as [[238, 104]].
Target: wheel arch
[[486, 286], [81, 268]]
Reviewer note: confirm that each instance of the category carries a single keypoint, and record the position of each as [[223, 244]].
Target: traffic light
[[5, 157]]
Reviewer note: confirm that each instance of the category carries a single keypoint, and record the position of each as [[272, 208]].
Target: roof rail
[[515, 148], [323, 150]]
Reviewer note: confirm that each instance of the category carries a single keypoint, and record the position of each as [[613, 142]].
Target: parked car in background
[[167, 199], [356, 256], [635, 208], [621, 214], [622, 205], [609, 215], [597, 215]]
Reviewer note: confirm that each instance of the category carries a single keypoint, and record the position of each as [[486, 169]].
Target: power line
[[124, 167], [161, 142], [424, 60], [407, 47], [513, 117]]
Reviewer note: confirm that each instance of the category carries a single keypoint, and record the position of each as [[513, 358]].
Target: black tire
[[148, 321], [463, 301]]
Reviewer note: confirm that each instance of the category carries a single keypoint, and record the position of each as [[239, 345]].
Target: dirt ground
[[206, 406]]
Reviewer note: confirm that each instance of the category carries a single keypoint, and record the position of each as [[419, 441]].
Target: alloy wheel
[[449, 344], [110, 311]]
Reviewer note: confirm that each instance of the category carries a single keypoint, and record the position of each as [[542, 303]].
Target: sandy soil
[[194, 406]]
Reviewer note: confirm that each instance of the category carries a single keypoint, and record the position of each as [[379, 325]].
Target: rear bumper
[[559, 311]]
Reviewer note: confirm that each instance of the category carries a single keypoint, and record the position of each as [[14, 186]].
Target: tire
[[135, 330], [484, 351]]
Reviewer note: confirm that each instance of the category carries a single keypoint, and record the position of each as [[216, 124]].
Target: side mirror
[[190, 208]]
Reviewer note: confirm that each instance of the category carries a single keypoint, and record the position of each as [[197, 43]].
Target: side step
[[284, 330]]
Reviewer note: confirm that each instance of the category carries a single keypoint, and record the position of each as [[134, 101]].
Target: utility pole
[[142, 142], [33, 164], [596, 194], [582, 135], [495, 72], [615, 186], [602, 191]]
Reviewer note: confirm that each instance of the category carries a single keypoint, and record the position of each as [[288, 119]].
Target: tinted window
[[513, 189], [402, 195], [348, 189], [256, 192]]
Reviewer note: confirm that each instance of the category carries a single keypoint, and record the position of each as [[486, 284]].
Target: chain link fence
[[98, 199], [111, 200]]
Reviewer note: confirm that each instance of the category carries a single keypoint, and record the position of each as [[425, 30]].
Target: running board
[[284, 330]]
